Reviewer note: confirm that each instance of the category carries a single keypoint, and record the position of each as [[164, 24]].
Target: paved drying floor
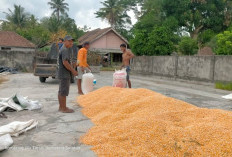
[[57, 134]]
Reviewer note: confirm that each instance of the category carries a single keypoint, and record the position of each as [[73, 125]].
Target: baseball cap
[[68, 37]]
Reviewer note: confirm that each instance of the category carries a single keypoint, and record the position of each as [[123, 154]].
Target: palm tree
[[17, 17], [59, 7], [114, 12]]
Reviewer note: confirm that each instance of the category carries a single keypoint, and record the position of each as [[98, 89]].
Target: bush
[[212, 44], [206, 36], [188, 46], [224, 43]]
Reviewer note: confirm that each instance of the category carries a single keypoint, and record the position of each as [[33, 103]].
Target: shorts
[[64, 86], [81, 73], [128, 72]]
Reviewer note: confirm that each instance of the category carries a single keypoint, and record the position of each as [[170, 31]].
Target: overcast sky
[[80, 10]]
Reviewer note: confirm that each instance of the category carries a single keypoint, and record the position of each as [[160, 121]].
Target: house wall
[[22, 60], [200, 68], [108, 41]]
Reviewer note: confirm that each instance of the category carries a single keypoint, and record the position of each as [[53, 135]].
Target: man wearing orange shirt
[[83, 65]]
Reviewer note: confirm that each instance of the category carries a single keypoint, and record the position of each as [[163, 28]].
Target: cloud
[[82, 11]]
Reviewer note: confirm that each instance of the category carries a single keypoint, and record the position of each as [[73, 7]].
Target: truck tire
[[42, 79]]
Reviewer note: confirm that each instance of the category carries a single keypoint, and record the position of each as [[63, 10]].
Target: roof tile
[[12, 39]]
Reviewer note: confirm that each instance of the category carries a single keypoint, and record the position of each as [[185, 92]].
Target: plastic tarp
[[18, 103], [14, 129], [119, 78], [228, 97], [87, 83]]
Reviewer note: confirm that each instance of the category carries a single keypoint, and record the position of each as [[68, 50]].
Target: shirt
[[60, 45], [64, 55], [82, 57]]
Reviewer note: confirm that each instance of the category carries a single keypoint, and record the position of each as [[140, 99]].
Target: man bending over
[[126, 57]]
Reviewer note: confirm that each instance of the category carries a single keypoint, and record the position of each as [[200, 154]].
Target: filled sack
[[119, 78], [87, 83]]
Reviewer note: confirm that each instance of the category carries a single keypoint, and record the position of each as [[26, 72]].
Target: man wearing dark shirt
[[65, 72]]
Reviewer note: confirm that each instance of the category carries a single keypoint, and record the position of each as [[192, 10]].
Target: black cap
[[86, 43]]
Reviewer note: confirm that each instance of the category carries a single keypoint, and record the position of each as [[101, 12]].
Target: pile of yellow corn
[[140, 122]]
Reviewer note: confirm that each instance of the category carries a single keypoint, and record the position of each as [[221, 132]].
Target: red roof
[[12, 39]]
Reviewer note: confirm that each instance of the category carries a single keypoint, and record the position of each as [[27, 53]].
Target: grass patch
[[109, 68], [3, 79], [224, 86]]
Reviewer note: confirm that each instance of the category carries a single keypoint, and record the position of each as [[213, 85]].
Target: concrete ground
[[58, 134]]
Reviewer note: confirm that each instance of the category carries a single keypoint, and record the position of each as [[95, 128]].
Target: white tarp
[[14, 129], [18, 103], [228, 97]]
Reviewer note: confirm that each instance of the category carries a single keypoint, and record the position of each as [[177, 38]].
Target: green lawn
[[110, 68], [224, 86]]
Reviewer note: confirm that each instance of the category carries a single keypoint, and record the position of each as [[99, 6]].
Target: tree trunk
[[58, 15], [195, 33]]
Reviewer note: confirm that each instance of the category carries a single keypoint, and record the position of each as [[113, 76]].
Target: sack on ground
[[119, 78], [87, 83]]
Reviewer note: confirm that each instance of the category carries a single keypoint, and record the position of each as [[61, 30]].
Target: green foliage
[[45, 49], [160, 42], [206, 36], [224, 86], [224, 43], [58, 7], [157, 42], [114, 12], [17, 17], [197, 16], [213, 44], [38, 34], [188, 46], [139, 43]]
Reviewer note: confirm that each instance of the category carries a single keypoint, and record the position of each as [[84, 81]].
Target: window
[[5, 48], [117, 57]]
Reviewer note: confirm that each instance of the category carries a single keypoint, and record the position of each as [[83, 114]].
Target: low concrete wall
[[195, 67], [17, 59], [223, 68], [200, 68]]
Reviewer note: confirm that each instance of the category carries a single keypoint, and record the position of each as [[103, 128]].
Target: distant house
[[11, 41], [105, 42]]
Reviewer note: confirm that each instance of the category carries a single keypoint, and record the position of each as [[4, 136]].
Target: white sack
[[19, 103], [119, 78], [87, 83], [16, 128], [5, 142]]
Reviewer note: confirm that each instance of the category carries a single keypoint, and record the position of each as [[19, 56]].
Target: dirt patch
[[3, 79], [140, 122]]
